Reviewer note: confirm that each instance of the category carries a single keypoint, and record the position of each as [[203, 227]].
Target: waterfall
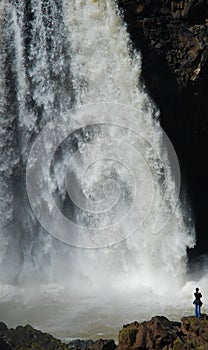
[[69, 74]]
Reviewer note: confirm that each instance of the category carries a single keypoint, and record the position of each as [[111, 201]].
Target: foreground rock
[[27, 338], [161, 334], [4, 346], [92, 345], [157, 334]]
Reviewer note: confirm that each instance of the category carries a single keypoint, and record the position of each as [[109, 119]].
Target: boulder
[[26, 337], [157, 334], [4, 346], [196, 331], [153, 334], [161, 334], [100, 344]]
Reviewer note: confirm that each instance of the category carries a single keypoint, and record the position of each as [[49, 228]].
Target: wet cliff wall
[[173, 39]]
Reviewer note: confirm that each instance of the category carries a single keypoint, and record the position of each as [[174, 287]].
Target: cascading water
[[61, 55]]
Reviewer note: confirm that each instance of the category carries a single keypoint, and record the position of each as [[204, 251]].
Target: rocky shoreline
[[157, 334]]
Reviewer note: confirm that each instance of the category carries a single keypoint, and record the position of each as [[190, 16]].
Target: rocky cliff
[[25, 338], [173, 39], [161, 334], [157, 334], [173, 34]]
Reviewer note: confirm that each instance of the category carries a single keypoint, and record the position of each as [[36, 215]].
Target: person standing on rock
[[198, 303]]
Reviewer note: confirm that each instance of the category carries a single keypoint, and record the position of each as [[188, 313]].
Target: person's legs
[[197, 311]]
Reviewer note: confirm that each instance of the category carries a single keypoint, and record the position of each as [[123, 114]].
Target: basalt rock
[[157, 334], [100, 344], [175, 31], [27, 338], [4, 346], [161, 334], [172, 36], [154, 334]]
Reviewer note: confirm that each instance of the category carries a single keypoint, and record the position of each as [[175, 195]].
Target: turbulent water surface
[[124, 256]]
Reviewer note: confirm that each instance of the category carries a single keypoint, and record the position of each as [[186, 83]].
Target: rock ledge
[[157, 334], [161, 334]]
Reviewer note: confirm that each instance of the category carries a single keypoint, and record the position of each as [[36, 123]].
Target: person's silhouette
[[198, 303]]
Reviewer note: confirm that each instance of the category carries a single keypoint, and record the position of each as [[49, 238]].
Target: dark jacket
[[197, 300]]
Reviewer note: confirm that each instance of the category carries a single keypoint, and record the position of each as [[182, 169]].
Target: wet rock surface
[[173, 39], [175, 31]]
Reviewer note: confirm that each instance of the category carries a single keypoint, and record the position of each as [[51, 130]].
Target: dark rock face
[[154, 334], [92, 345], [173, 39], [161, 334], [25, 338], [157, 334], [4, 346], [175, 31]]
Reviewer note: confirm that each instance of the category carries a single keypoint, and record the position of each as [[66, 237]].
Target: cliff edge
[[157, 334], [161, 334]]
